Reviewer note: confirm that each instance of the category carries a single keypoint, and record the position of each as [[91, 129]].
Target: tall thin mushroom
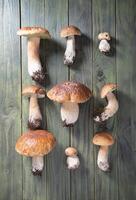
[[36, 144], [69, 32], [112, 103], [104, 140], [69, 94], [34, 92], [34, 34]]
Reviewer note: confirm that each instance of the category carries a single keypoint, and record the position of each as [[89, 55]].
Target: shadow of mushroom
[[48, 49]]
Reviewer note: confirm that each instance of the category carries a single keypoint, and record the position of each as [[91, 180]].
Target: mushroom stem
[[70, 53], [73, 162], [35, 117], [37, 165], [102, 160], [34, 65], [110, 109], [104, 46], [69, 113]]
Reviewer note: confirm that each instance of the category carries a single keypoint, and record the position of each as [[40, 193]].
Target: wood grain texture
[[126, 77], [82, 180], [10, 102], [104, 71]]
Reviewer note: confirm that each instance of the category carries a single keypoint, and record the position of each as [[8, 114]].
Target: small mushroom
[[112, 106], [104, 45], [104, 140], [69, 33], [34, 34], [73, 161], [35, 117], [69, 94], [36, 144]]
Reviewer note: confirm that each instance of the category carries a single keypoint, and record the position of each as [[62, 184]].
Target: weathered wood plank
[[58, 177], [32, 14], [126, 77], [10, 102], [104, 71], [82, 180]]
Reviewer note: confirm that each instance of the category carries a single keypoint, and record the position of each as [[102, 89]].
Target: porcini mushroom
[[104, 140], [104, 45], [69, 94], [36, 144], [34, 34], [69, 33], [72, 158], [35, 117], [112, 106]]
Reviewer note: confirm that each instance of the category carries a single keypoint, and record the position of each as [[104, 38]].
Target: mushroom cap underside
[[69, 91], [33, 90], [109, 87], [103, 139], [35, 143], [34, 32], [70, 31]]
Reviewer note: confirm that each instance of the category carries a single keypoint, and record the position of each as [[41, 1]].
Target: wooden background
[[93, 69]]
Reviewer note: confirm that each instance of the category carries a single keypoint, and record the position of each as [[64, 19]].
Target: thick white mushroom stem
[[73, 162], [70, 53], [102, 160], [110, 109], [35, 117], [37, 165], [34, 65], [104, 46], [69, 113]]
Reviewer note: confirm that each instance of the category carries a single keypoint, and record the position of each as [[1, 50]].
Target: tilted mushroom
[[112, 106], [69, 33], [104, 45], [73, 161], [35, 117], [69, 94], [34, 34], [104, 140], [36, 144]]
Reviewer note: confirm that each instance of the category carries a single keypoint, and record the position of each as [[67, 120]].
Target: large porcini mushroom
[[35, 117], [34, 34], [112, 105], [69, 33], [104, 45], [36, 144], [104, 140], [69, 94], [72, 158]]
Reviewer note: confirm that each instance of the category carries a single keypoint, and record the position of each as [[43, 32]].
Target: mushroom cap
[[69, 31], [35, 143], [69, 91], [109, 87], [70, 151], [104, 36], [34, 32], [103, 139], [33, 90]]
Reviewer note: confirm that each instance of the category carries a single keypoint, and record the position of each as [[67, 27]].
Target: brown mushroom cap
[[34, 32], [103, 139], [34, 90], [70, 31], [69, 91], [35, 143], [104, 36], [70, 151], [109, 87]]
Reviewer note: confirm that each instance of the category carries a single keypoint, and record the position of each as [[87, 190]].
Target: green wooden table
[[93, 69]]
